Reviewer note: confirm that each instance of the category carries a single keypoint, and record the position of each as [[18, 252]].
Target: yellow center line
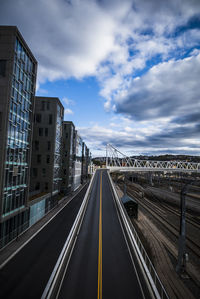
[[99, 296]]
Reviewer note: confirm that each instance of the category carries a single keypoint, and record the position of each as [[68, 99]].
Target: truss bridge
[[117, 161]]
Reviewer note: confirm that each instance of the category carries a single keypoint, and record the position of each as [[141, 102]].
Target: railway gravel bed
[[159, 223]]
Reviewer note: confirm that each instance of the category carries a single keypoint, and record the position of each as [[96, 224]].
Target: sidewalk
[[12, 248]]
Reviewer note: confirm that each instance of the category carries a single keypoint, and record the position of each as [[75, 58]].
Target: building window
[[38, 118], [46, 186], [40, 131], [50, 119], [48, 105], [36, 145], [49, 145], [35, 172], [37, 186], [43, 106], [48, 159], [46, 132], [38, 158], [43, 172], [0, 120], [2, 68]]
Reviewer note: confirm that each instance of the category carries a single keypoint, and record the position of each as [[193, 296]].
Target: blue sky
[[79, 96], [127, 72]]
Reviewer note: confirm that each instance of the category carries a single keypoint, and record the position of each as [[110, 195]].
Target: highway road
[[26, 275], [101, 265]]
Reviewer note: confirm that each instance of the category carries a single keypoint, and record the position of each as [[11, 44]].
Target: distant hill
[[187, 158], [196, 159]]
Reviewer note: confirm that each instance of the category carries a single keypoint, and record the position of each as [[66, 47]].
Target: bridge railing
[[155, 284], [116, 160]]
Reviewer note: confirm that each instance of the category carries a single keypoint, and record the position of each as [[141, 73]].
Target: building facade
[[68, 157], [47, 140], [75, 159], [18, 69], [78, 161], [89, 161], [85, 162]]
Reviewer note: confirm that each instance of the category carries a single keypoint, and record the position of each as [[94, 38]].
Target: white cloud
[[151, 139], [68, 111], [73, 38], [168, 89], [117, 42], [67, 101], [67, 38]]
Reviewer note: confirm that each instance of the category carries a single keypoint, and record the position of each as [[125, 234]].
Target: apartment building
[[78, 161], [18, 68], [47, 151], [68, 157], [85, 162]]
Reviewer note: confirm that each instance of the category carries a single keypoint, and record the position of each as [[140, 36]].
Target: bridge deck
[[101, 265]]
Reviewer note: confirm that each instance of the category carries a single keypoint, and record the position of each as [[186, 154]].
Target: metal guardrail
[[155, 285], [53, 286]]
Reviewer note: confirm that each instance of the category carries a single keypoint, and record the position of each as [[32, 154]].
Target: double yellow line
[[99, 296]]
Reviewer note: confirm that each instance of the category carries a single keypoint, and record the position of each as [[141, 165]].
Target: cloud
[[144, 54], [75, 38], [67, 101], [167, 89], [187, 118], [157, 140], [168, 95], [68, 38], [176, 140], [68, 111]]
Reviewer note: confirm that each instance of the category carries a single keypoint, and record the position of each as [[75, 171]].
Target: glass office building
[[17, 80]]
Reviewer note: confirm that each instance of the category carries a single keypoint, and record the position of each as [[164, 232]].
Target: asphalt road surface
[[101, 265], [26, 275]]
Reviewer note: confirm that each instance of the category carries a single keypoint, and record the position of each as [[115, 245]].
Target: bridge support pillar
[[150, 178]]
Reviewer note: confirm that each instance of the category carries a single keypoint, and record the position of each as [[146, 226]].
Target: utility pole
[[182, 255]]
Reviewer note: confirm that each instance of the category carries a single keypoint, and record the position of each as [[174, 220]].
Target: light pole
[[182, 255]]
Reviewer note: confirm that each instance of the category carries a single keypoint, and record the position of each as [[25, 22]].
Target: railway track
[[160, 215], [193, 220], [190, 219]]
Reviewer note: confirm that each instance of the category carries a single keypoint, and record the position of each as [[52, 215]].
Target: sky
[[126, 71]]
